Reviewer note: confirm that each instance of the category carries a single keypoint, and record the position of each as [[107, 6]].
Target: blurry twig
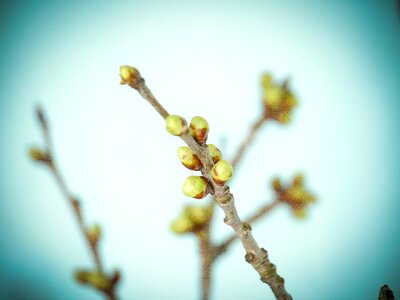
[[97, 279], [249, 139]]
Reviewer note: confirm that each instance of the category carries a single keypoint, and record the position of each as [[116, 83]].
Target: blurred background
[[200, 58]]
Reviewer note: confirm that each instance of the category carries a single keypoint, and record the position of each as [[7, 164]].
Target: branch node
[[250, 257]]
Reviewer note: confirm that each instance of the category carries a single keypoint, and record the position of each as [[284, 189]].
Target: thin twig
[[260, 213], [249, 139], [205, 247], [72, 201], [255, 255]]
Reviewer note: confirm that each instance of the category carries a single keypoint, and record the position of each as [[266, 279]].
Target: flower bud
[[189, 159], [195, 187], [199, 215], [38, 155], [299, 213], [296, 194], [182, 225], [129, 75], [215, 153], [94, 233], [273, 96], [175, 125], [289, 102], [222, 171], [277, 185], [266, 80], [199, 129], [283, 118], [298, 180], [94, 279]]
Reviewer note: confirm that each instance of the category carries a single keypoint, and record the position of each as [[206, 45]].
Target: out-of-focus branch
[[255, 128], [97, 279]]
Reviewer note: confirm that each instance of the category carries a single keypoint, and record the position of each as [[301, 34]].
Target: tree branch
[[260, 213], [249, 139], [255, 255], [75, 205]]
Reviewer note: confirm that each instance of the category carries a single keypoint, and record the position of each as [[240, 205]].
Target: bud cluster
[[198, 186], [295, 195], [279, 101], [192, 219]]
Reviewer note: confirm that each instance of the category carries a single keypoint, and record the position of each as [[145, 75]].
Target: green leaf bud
[[189, 159], [199, 129], [222, 171], [175, 125], [195, 187], [215, 153]]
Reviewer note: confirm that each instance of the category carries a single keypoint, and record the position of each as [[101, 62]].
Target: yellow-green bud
[[222, 171], [199, 129], [266, 80], [277, 185], [298, 180], [176, 125], [199, 215], [188, 158], [94, 233], [195, 187], [94, 279], [283, 118], [273, 96], [215, 153], [37, 154], [297, 194], [182, 225], [299, 213], [289, 102], [129, 75]]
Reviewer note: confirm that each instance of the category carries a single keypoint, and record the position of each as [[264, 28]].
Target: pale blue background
[[200, 58]]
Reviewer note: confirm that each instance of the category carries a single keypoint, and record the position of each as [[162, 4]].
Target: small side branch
[[97, 279], [248, 139]]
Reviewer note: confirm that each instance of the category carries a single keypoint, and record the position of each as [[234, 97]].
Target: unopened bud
[[94, 233], [38, 155], [189, 159], [182, 225], [277, 185], [129, 75], [93, 278], [199, 215], [175, 125], [215, 153], [222, 171], [199, 129], [195, 187]]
